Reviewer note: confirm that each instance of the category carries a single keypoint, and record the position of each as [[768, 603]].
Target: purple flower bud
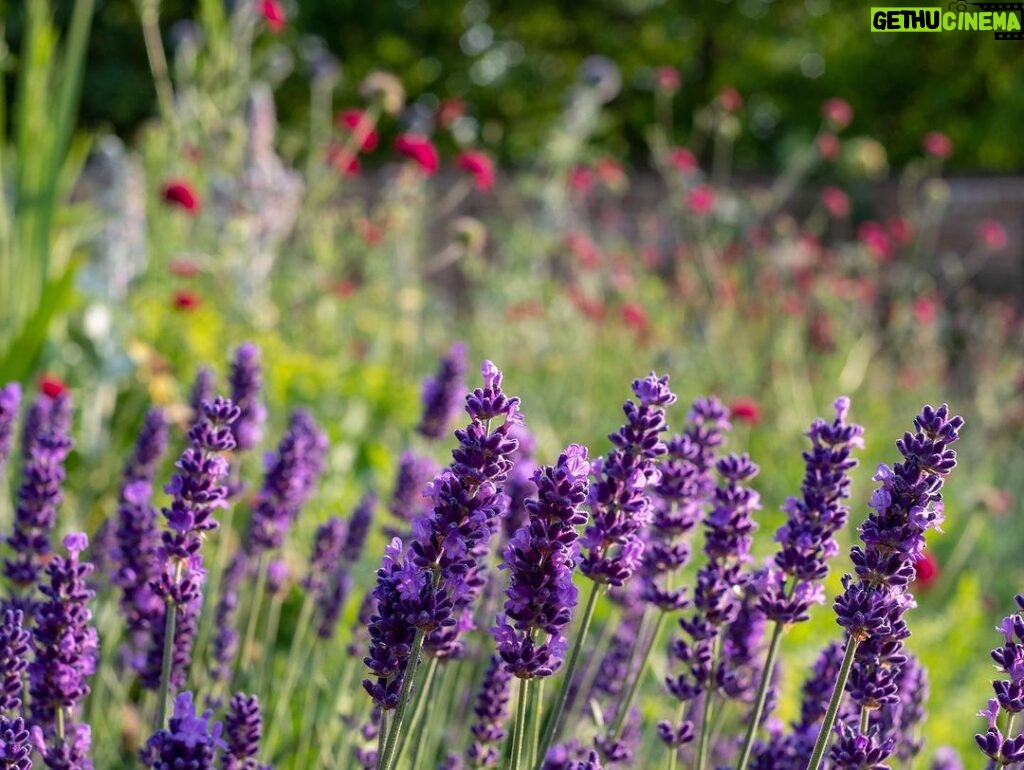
[[246, 380], [15, 745], [190, 740], [10, 400], [243, 727], [414, 472], [442, 392], [202, 391], [14, 649]]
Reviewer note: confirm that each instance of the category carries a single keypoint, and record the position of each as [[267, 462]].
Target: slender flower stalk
[[10, 400], [906, 504]]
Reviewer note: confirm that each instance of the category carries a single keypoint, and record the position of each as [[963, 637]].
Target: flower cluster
[[441, 393], [905, 505], [246, 384], [14, 648], [807, 539], [1006, 749], [619, 501], [332, 600], [66, 652], [540, 558], [414, 472], [491, 710], [10, 400], [243, 727], [190, 740]]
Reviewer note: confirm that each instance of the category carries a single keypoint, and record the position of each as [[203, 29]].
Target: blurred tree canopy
[[511, 61]]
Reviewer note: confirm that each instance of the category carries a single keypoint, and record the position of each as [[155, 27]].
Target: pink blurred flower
[[926, 571], [668, 79], [745, 410], [901, 231], [273, 13], [356, 121], [836, 202], [992, 234], [937, 144], [634, 316], [480, 165], [828, 145], [837, 112], [925, 310], [419, 149], [450, 111], [583, 249], [873, 235], [701, 199], [183, 268], [682, 159], [729, 99], [180, 193], [581, 179], [346, 163], [611, 174]]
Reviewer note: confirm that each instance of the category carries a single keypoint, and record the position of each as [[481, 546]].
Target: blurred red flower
[[701, 199], [178, 192], [357, 122], [273, 14], [51, 386], [668, 79], [873, 235], [581, 179], [634, 316], [937, 144], [450, 111], [926, 570], [583, 248], [837, 112], [828, 145], [186, 300], [183, 268], [925, 310], [729, 99], [836, 202], [745, 410], [346, 163], [344, 289], [480, 165], [682, 159], [419, 149], [992, 234], [611, 174], [901, 230]]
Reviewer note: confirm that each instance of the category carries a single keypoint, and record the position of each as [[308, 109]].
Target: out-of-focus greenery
[[512, 61]]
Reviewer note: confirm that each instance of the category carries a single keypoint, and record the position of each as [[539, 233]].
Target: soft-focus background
[[762, 199]]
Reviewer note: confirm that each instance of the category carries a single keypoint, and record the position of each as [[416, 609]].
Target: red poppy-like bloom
[[828, 145], [186, 300], [682, 159], [925, 310], [873, 235], [51, 386], [178, 192], [837, 112], [480, 165], [419, 149], [937, 144], [992, 234], [668, 79], [634, 316], [701, 199], [745, 410], [926, 570], [356, 120], [730, 100], [273, 14], [183, 268], [836, 202]]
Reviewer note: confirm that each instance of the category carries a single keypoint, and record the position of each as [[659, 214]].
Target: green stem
[[673, 751], [149, 15], [865, 719], [296, 663], [382, 730], [536, 699], [420, 707], [627, 703], [558, 707], [245, 659], [384, 760], [519, 728], [833, 705], [166, 663], [762, 696], [704, 741]]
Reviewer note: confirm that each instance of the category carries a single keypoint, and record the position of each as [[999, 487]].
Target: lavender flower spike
[[190, 741], [10, 400], [243, 728], [14, 647], [1002, 749], [15, 744], [540, 558], [441, 393], [491, 710], [66, 647], [246, 380], [197, 492], [619, 501]]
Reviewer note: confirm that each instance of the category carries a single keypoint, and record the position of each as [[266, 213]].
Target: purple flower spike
[[45, 446], [946, 758], [66, 651], [332, 601], [540, 559], [10, 400], [290, 478], [1009, 692], [414, 472], [807, 539], [246, 380], [197, 491], [327, 545], [491, 712], [619, 498], [14, 648], [243, 727], [202, 391], [190, 741], [15, 745], [442, 392], [871, 608]]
